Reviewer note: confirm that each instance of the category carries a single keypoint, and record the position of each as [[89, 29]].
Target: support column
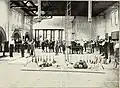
[[39, 11], [38, 34], [46, 33], [58, 34], [54, 35], [35, 35], [51, 35], [43, 35], [23, 25], [31, 27], [90, 18], [119, 19], [119, 28], [67, 28], [119, 32], [8, 2], [61, 34]]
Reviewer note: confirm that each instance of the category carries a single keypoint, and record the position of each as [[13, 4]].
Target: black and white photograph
[[59, 43]]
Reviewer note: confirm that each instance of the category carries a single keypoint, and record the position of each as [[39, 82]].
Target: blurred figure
[[32, 47], [56, 48], [22, 49], [106, 49], [53, 45], [50, 46], [19, 45], [111, 47], [3, 48], [116, 49], [79, 49], [85, 45], [11, 48], [60, 45], [43, 46], [63, 47], [46, 45], [93, 45], [28, 49], [81, 45], [101, 43]]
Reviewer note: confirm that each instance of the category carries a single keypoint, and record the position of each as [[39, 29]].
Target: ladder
[[67, 27]]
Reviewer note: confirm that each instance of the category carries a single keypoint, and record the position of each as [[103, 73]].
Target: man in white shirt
[[11, 48]]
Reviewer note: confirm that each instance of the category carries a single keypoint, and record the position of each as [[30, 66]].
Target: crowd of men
[[106, 47], [51, 46], [20, 46]]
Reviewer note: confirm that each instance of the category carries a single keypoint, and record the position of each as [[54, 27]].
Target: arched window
[[2, 35]]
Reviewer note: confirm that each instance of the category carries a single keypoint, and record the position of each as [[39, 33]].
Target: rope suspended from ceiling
[[39, 11]]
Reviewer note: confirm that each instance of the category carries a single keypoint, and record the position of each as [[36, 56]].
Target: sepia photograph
[[59, 43]]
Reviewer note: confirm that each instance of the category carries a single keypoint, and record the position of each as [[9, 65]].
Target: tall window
[[116, 17], [20, 21], [112, 18], [13, 17]]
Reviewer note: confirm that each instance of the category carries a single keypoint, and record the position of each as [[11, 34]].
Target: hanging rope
[[90, 17], [67, 27], [39, 10]]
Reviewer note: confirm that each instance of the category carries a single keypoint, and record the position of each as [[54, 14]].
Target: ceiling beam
[[23, 7], [27, 7], [11, 3]]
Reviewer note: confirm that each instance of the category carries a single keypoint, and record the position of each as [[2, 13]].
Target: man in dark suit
[[106, 49]]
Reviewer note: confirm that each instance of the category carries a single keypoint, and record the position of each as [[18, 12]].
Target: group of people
[[20, 46], [106, 48], [53, 46]]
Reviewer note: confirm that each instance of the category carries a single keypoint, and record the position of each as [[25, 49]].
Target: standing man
[[22, 49], [28, 48], [116, 49], [53, 45], [111, 47], [19, 45], [46, 44], [3, 48], [93, 45], [50, 45], [56, 48], [106, 49], [100, 46], [43, 46], [82, 44], [63, 47], [85, 45], [32, 47], [11, 48]]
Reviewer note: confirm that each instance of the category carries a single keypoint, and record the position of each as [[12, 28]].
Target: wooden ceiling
[[58, 8]]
